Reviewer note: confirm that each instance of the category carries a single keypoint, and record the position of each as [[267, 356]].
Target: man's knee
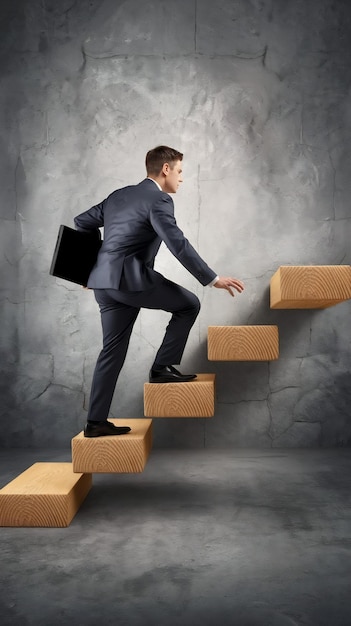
[[195, 305]]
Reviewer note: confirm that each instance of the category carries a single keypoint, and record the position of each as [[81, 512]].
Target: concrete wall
[[256, 93]]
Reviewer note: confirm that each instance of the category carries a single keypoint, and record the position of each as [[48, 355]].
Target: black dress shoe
[[169, 374], [104, 429]]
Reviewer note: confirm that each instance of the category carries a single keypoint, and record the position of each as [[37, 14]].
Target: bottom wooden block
[[122, 454], [193, 399], [45, 495]]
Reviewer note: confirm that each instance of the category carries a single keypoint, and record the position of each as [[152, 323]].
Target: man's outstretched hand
[[228, 283]]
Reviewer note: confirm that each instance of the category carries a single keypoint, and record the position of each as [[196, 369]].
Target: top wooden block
[[310, 286]]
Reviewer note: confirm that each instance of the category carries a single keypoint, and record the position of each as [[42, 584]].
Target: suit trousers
[[119, 311]]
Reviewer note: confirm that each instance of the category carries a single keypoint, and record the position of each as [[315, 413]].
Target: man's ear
[[165, 169]]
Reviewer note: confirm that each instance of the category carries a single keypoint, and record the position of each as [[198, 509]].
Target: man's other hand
[[228, 283]]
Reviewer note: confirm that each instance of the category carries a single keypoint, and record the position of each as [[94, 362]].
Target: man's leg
[[117, 321]]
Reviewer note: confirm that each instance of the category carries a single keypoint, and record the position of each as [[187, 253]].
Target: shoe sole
[[107, 435], [164, 379], [125, 432]]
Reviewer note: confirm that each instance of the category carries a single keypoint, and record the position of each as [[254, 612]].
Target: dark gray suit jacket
[[136, 219]]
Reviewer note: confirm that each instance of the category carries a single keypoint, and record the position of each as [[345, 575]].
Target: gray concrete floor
[[242, 537]]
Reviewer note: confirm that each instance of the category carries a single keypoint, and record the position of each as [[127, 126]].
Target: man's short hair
[[156, 158]]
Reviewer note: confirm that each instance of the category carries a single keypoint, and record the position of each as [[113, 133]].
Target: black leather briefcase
[[75, 255]]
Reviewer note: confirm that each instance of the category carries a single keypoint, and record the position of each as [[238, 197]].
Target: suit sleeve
[[90, 221], [163, 222]]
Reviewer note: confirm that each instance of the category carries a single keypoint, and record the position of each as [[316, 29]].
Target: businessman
[[136, 219]]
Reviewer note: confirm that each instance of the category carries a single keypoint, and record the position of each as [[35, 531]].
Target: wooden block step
[[243, 343], [193, 399], [121, 454], [45, 495], [310, 286]]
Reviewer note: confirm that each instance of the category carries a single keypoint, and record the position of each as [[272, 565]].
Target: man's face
[[173, 176]]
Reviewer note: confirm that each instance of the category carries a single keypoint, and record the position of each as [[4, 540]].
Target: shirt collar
[[156, 183]]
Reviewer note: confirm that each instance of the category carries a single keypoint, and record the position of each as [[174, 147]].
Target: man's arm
[[91, 220], [163, 222]]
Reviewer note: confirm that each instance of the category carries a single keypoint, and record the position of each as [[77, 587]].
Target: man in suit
[[136, 219]]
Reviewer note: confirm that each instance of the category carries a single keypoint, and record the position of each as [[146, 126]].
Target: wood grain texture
[[310, 286], [193, 399], [121, 454], [45, 495], [243, 343]]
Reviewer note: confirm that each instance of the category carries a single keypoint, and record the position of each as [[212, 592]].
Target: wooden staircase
[[50, 494]]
